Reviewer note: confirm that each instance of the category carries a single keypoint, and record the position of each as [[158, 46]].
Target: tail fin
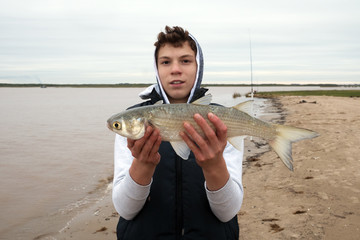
[[285, 136]]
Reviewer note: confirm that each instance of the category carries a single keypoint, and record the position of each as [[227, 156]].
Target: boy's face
[[177, 71]]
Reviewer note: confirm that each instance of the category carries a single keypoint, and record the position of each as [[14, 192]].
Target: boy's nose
[[175, 68]]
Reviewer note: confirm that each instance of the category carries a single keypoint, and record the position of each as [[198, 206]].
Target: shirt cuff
[[134, 190], [221, 195]]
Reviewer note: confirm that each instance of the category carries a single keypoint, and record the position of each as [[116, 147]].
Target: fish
[[169, 119]]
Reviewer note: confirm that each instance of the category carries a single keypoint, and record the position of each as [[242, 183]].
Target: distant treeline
[[121, 85], [334, 93], [141, 85]]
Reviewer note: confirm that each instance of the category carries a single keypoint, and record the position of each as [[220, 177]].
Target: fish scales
[[237, 122]]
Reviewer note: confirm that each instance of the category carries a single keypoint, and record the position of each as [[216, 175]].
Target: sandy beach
[[319, 200]]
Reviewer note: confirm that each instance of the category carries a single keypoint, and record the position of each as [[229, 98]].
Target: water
[[55, 150]]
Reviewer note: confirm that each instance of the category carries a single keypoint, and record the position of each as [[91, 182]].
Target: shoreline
[[254, 147], [142, 85]]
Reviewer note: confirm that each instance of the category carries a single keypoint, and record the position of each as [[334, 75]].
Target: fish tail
[[285, 136]]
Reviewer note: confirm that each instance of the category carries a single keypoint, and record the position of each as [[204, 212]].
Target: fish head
[[127, 126]]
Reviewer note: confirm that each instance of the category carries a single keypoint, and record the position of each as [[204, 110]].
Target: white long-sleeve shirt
[[129, 197]]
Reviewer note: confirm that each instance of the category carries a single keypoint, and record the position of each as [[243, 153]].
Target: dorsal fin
[[159, 102], [245, 107], [205, 100]]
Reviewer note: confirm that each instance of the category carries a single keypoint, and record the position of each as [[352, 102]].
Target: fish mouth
[[109, 126]]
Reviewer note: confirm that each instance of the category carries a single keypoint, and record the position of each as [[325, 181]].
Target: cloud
[[112, 41]]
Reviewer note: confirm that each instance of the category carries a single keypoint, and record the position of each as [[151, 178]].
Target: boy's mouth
[[176, 82]]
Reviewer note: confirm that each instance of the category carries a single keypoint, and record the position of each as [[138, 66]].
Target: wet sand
[[319, 200]]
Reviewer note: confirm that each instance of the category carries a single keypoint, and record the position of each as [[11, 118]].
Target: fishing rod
[[251, 70]]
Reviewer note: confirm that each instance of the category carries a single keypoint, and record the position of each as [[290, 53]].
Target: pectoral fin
[[159, 102], [205, 100], [181, 149]]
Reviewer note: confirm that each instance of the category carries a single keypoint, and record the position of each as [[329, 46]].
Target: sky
[[111, 41]]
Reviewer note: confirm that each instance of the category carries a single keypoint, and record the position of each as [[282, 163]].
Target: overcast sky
[[111, 41]]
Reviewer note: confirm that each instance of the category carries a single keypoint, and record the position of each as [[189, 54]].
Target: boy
[[161, 196]]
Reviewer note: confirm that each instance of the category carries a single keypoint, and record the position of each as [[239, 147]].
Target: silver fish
[[169, 119]]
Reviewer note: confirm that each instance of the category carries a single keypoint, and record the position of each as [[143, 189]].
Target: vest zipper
[[178, 199]]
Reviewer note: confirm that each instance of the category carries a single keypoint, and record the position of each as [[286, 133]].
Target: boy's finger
[[221, 128], [196, 142], [206, 128], [130, 143], [138, 145], [191, 144], [150, 142], [156, 146]]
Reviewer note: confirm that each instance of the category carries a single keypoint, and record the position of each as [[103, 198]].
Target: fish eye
[[117, 125]]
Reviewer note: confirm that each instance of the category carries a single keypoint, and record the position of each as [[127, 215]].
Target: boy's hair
[[176, 36]]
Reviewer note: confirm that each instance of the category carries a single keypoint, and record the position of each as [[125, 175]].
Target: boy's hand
[[208, 150], [146, 156], [146, 148]]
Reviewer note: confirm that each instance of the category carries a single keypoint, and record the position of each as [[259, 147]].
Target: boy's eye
[[187, 61], [165, 62]]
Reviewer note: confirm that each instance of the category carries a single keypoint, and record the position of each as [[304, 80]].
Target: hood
[[158, 87]]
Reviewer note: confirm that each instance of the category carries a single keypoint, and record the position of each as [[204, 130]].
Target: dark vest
[[177, 206]]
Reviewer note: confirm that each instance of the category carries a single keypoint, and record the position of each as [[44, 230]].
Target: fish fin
[[237, 142], [285, 136], [205, 100], [181, 149], [246, 107], [159, 102]]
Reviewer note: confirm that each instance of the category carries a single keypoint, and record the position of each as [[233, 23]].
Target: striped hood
[[158, 87]]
